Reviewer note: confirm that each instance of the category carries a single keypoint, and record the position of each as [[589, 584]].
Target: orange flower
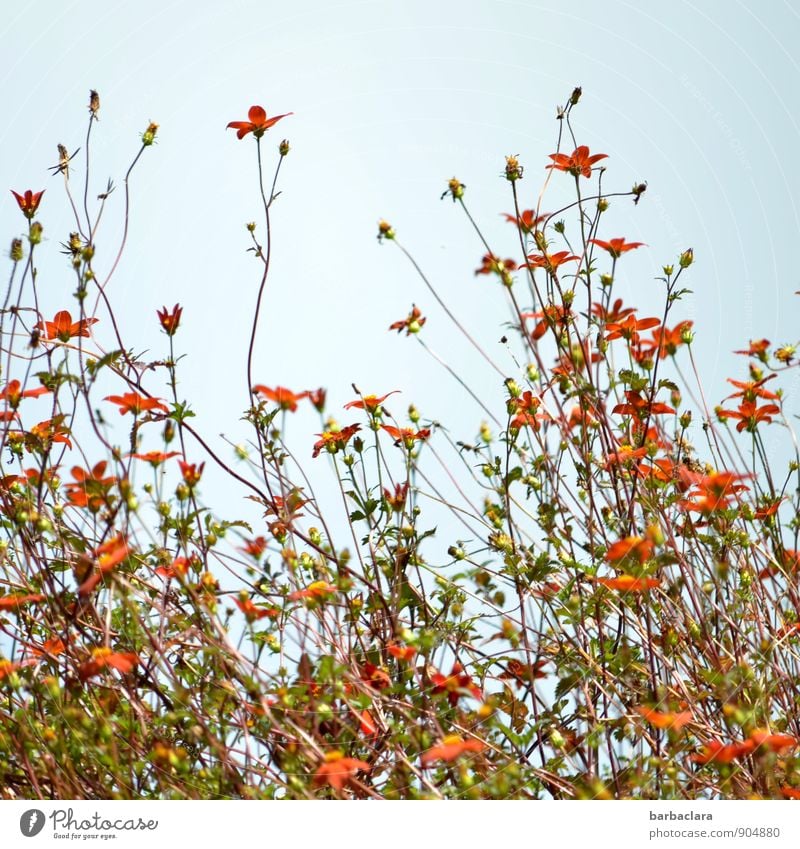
[[177, 569], [106, 658], [375, 676], [712, 492], [12, 393], [616, 247], [283, 397], [639, 407], [636, 548], [370, 403], [255, 547], [132, 402], [528, 220], [254, 612], [397, 500], [756, 349], [458, 683], [406, 435], [257, 124], [491, 264], [404, 653], [629, 583], [450, 748], [665, 720], [333, 440], [715, 751], [170, 320], [750, 416], [90, 489], [50, 431], [550, 261], [629, 328], [106, 557], [412, 323], [367, 724], [520, 672], [191, 473], [317, 398], [63, 328], [52, 647], [155, 458], [790, 792], [318, 591], [775, 742], [578, 163], [15, 601], [28, 202], [7, 667], [337, 770], [616, 313]]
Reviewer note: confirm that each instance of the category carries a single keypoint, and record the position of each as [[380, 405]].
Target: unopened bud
[[283, 147], [686, 258], [16, 253]]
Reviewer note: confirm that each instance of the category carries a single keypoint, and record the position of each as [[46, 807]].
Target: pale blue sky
[[390, 100]]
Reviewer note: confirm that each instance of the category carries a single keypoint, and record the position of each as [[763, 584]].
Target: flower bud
[[603, 204], [575, 96], [455, 189], [16, 253], [35, 233], [94, 103], [385, 230], [283, 147], [513, 169], [686, 258], [149, 135]]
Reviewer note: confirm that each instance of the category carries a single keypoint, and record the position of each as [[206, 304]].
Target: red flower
[[412, 323], [156, 458], [712, 492], [528, 220], [715, 751], [51, 430], [551, 316], [370, 403], [63, 328], [318, 591], [666, 341], [752, 389], [637, 548], [406, 435], [616, 247], [254, 612], [13, 394], [629, 583], [132, 402], [756, 349], [616, 313], [191, 473], [639, 407], [750, 416], [15, 601], [774, 742], [578, 163], [521, 673], [550, 261], [333, 440], [665, 720], [255, 547], [317, 398], [337, 770], [456, 684], [396, 500], [29, 202], [257, 124], [90, 488], [177, 569], [105, 658], [450, 748], [491, 264], [404, 653], [375, 676], [283, 397], [170, 320], [106, 557], [629, 328]]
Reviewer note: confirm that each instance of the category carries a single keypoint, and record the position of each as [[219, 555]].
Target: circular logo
[[31, 822]]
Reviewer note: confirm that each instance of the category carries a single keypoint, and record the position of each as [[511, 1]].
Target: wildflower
[[257, 124], [375, 676], [367, 724], [49, 431], [458, 683], [550, 261], [317, 591], [640, 407], [255, 547], [191, 473], [774, 742], [14, 601], [406, 435], [665, 721], [404, 653], [253, 612], [283, 397], [170, 320], [370, 403], [528, 220], [629, 583], [411, 324], [337, 770], [63, 328], [179, 568], [635, 548], [629, 328], [551, 316], [91, 488], [106, 558], [711, 492], [28, 202], [715, 751], [451, 748], [616, 247], [578, 163], [317, 398], [13, 393], [106, 658], [752, 389], [155, 458], [132, 402], [666, 342], [491, 264], [749, 415], [333, 440], [613, 314], [757, 349], [521, 672], [397, 500]]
